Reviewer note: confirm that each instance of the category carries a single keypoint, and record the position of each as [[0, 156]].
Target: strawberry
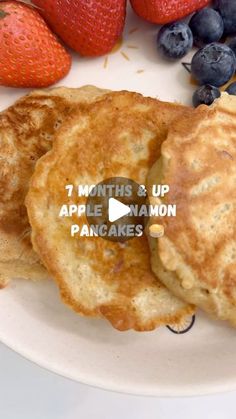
[[30, 55], [165, 11], [90, 27]]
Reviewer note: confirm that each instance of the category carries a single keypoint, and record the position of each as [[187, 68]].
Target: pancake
[[119, 136], [196, 259], [26, 133]]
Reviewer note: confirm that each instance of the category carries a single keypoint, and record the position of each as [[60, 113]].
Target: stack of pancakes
[[27, 131], [83, 136], [196, 259]]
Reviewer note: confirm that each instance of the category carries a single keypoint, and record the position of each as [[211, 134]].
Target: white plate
[[36, 324]]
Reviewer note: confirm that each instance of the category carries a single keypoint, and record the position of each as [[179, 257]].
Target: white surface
[[29, 392], [36, 324]]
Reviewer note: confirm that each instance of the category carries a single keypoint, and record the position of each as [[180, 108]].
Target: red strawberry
[[165, 11], [30, 55], [90, 27]]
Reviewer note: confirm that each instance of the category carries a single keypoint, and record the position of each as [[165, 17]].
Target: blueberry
[[175, 40], [207, 26], [232, 45], [231, 89], [227, 9], [213, 64], [205, 95]]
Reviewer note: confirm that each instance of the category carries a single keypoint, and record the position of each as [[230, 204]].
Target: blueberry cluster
[[214, 64]]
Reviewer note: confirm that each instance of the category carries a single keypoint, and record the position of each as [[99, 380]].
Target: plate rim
[[198, 390]]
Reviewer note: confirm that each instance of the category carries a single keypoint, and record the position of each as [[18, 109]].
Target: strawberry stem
[[187, 67]]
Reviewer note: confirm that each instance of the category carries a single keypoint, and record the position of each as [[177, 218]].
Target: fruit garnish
[[232, 45], [231, 89], [163, 11], [227, 9], [91, 28], [175, 40], [207, 26], [30, 55], [3, 14], [214, 64], [205, 95]]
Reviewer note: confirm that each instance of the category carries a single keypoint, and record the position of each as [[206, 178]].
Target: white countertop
[[30, 392]]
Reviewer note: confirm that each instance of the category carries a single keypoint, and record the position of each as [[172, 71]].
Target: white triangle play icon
[[117, 210]]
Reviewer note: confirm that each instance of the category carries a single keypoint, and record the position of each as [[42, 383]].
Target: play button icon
[[117, 210], [112, 209]]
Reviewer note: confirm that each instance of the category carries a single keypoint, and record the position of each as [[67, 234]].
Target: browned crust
[[198, 248], [26, 133], [119, 312]]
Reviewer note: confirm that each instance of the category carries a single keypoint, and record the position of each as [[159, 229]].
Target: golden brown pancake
[[119, 136], [26, 133], [196, 259]]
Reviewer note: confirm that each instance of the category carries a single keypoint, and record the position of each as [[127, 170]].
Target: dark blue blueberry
[[232, 45], [214, 64], [207, 26], [231, 89], [227, 9], [175, 40], [205, 95]]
